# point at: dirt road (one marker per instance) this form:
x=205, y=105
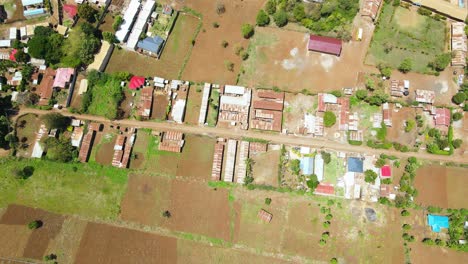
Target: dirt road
x=272, y=137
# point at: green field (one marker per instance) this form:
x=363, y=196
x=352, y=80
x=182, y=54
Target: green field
x=401, y=33
x=106, y=97
x=89, y=190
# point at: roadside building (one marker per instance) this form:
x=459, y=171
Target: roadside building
x=217, y=161
x=172, y=141
x=425, y=96
x=307, y=165
x=356, y=135
x=46, y=88
x=326, y=45
x=387, y=114
x=267, y=110
x=38, y=149
x=319, y=166
x=442, y=117
x=234, y=106
x=313, y=124
x=146, y=102
x=371, y=8
x=242, y=164
x=33, y=8
x=325, y=189
x=15, y=79
x=204, y=103
x=13, y=33
x=257, y=147
x=436, y=222
x=151, y=46
x=324, y=99
x=398, y=88
x=87, y=143
x=70, y=10
x=77, y=136
x=230, y=160
x=128, y=20
x=63, y=77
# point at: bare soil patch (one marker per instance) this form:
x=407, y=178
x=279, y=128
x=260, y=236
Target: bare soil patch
x=295, y=106
x=65, y=245
x=396, y=133
x=14, y=240
x=39, y=238
x=105, y=152
x=109, y=244
x=197, y=157
x=206, y=63
x=146, y=199
x=160, y=103
x=421, y=253
x=125, y=107
x=265, y=168
x=442, y=186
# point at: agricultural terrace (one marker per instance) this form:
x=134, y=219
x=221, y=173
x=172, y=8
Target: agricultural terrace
x=403, y=33
x=104, y=95
x=67, y=188
x=173, y=58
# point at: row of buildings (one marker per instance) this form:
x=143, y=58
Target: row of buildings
x=458, y=44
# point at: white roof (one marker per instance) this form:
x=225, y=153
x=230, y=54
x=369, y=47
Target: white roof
x=178, y=109
x=158, y=79
x=23, y=31
x=330, y=98
x=309, y=121
x=406, y=83
x=305, y=150
x=79, y=1
x=235, y=100
x=83, y=86
x=140, y=24
x=30, y=2
x=14, y=96
x=175, y=84
x=37, y=62
x=5, y=43
x=128, y=18
x=234, y=89
x=37, y=150
x=318, y=167
x=13, y=33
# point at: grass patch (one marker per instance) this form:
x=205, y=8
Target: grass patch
x=104, y=95
x=86, y=189
x=334, y=169
x=401, y=34
x=212, y=116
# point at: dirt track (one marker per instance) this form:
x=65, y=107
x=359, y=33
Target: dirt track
x=237, y=133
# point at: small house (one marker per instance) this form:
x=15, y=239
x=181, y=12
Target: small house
x=355, y=165
x=151, y=46
x=265, y=216
x=307, y=165
x=326, y=45
x=386, y=172
x=63, y=77
x=436, y=222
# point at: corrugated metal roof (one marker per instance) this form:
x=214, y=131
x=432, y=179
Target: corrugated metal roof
x=325, y=44
x=128, y=19
x=152, y=45
x=140, y=24
x=30, y=2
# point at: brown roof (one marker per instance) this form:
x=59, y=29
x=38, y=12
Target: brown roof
x=273, y=122
x=271, y=95
x=257, y=147
x=269, y=105
x=120, y=141
x=442, y=117
x=169, y=146
x=86, y=146
x=45, y=88
x=217, y=162
x=173, y=135
x=265, y=216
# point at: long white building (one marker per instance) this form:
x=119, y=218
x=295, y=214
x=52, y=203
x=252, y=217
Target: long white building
x=140, y=24
x=128, y=19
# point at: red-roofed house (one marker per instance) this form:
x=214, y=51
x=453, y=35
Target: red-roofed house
x=385, y=172
x=442, y=117
x=325, y=45
x=136, y=82
x=325, y=189
x=62, y=77
x=70, y=10
x=12, y=55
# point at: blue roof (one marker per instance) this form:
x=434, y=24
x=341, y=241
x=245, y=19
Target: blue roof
x=437, y=222
x=31, y=2
x=152, y=45
x=355, y=165
x=307, y=165
x=33, y=12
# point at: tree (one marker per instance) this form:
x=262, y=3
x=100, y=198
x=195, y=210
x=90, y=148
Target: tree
x=370, y=176
x=263, y=18
x=406, y=65
x=55, y=120
x=109, y=37
x=313, y=182
x=60, y=149
x=229, y=65
x=294, y=166
x=87, y=12
x=34, y=224
x=270, y=7
x=377, y=99
x=247, y=30
x=459, y=98
x=215, y=24
x=166, y=214
x=21, y=56
x=370, y=84
x=117, y=22
x=326, y=157
x=267, y=201
x=457, y=116
x=299, y=12
x=220, y=8
x=441, y=62
x=280, y=18
x=405, y=213
x=409, y=125
x=457, y=143
x=361, y=94
x=329, y=119
x=380, y=163
x=406, y=227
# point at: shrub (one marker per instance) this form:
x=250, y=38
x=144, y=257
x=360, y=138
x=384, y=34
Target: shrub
x=166, y=214
x=329, y=119
x=328, y=217
x=396, y=2
x=361, y=94
x=87, y=12
x=220, y=8
x=457, y=116
x=35, y=224
x=326, y=159
x=424, y=11
x=267, y=201
x=215, y=24
x=406, y=227
x=270, y=7
x=263, y=18
x=384, y=200
x=428, y=241
x=117, y=22
x=337, y=93
x=405, y=213
x=325, y=235
x=229, y=65
x=380, y=163
x=457, y=143
x=459, y=98
x=409, y=125
x=280, y=18
x=322, y=242
x=326, y=224
x=244, y=55
x=333, y=261
x=406, y=65
x=247, y=30
x=441, y=62
x=224, y=44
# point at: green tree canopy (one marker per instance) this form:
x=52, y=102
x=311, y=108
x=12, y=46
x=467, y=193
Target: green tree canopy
x=270, y=7
x=55, y=120
x=361, y=94
x=280, y=18
x=87, y=12
x=406, y=65
x=370, y=176
x=263, y=18
x=247, y=30
x=441, y=61
x=459, y=98
x=313, y=182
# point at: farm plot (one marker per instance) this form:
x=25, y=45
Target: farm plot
x=265, y=167
x=207, y=61
x=442, y=186
x=403, y=33
x=421, y=253
x=280, y=58
x=196, y=159
x=19, y=216
x=172, y=58
x=108, y=244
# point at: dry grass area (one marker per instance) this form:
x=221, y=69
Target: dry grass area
x=194, y=101
x=295, y=106
x=265, y=168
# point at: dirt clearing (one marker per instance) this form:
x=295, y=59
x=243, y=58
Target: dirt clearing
x=109, y=244
x=197, y=157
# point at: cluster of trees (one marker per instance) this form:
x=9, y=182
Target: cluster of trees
x=331, y=16
x=60, y=149
x=46, y=44
x=406, y=184
x=6, y=137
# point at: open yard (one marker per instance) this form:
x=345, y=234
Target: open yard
x=207, y=61
x=280, y=58
x=403, y=33
x=172, y=59
x=442, y=186
x=84, y=189
x=396, y=133
x=265, y=167
x=26, y=128
x=194, y=101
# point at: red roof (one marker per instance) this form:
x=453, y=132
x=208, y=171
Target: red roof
x=325, y=189
x=70, y=10
x=136, y=82
x=12, y=55
x=321, y=103
x=271, y=95
x=386, y=171
x=268, y=105
x=325, y=45
x=442, y=117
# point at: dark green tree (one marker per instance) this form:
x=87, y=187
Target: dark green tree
x=263, y=18
x=87, y=12
x=280, y=18
x=247, y=30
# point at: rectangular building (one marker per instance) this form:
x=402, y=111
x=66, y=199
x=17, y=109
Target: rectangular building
x=230, y=161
